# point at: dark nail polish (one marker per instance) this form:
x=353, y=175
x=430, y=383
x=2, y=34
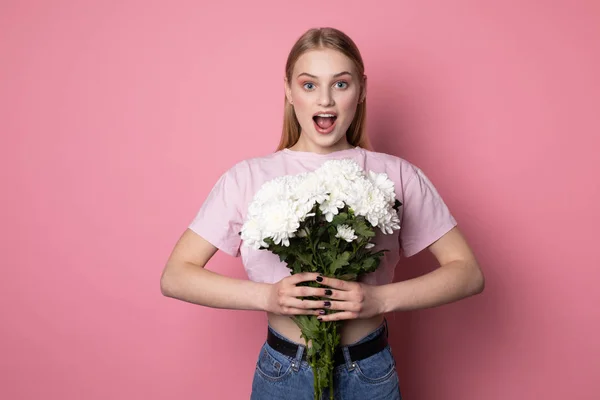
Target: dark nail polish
x=322, y=312
x=319, y=279
x=319, y=318
x=327, y=304
x=328, y=292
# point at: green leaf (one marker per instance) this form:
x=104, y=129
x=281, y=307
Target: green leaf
x=297, y=266
x=339, y=262
x=306, y=258
x=361, y=229
x=317, y=345
x=321, y=231
x=328, y=256
x=354, y=268
x=368, y=263
x=339, y=219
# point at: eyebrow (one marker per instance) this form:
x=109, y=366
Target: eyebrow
x=314, y=77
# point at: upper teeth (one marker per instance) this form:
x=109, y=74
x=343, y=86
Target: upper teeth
x=325, y=115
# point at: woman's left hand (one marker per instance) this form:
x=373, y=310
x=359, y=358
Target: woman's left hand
x=351, y=300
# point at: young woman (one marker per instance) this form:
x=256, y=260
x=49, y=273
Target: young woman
x=324, y=118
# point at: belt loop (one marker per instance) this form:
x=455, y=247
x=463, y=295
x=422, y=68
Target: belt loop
x=298, y=359
x=387, y=331
x=349, y=363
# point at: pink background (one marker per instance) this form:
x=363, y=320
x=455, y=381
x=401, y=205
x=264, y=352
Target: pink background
x=118, y=117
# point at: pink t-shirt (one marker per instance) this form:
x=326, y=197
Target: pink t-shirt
x=424, y=217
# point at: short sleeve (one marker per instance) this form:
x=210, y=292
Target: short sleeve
x=425, y=216
x=219, y=220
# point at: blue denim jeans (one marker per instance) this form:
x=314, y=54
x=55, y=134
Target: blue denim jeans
x=278, y=376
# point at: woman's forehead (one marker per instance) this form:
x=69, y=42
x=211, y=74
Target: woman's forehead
x=323, y=63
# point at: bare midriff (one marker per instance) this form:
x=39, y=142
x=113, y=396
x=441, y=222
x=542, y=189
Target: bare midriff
x=352, y=329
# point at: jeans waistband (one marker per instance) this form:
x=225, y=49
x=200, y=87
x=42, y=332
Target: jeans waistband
x=344, y=354
x=377, y=331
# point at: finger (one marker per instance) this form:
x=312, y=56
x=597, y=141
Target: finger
x=299, y=311
x=335, y=294
x=302, y=277
x=299, y=303
x=339, y=284
x=341, y=305
x=338, y=316
x=307, y=291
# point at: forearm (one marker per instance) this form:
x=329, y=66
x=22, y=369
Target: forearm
x=446, y=284
x=200, y=286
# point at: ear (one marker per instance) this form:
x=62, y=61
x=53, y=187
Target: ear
x=363, y=93
x=288, y=90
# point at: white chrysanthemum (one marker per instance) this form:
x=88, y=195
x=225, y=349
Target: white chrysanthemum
x=279, y=221
x=273, y=190
x=384, y=184
x=308, y=191
x=310, y=188
x=344, y=169
x=389, y=221
x=334, y=202
x=281, y=204
x=345, y=232
x=272, y=213
x=252, y=235
x=366, y=199
x=338, y=175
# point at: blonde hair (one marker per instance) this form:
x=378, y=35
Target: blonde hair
x=324, y=38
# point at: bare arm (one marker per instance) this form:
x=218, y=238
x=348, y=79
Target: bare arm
x=458, y=276
x=185, y=278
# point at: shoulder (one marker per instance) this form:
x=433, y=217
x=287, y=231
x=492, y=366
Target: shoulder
x=245, y=174
x=249, y=165
x=395, y=166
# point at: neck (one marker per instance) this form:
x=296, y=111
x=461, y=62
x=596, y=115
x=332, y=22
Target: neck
x=304, y=145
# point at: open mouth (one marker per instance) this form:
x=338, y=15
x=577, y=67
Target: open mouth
x=324, y=123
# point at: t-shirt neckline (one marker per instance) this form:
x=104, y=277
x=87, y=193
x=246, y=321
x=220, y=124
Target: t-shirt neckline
x=310, y=154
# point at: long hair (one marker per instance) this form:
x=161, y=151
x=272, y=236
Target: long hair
x=314, y=39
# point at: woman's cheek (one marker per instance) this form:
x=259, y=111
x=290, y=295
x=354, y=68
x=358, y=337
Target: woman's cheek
x=347, y=100
x=348, y=105
x=302, y=108
x=300, y=102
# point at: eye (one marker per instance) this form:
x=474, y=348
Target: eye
x=307, y=84
x=343, y=84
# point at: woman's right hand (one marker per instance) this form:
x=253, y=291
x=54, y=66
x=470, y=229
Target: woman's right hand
x=283, y=296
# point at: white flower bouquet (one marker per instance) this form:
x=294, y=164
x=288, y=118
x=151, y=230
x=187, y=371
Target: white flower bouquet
x=323, y=221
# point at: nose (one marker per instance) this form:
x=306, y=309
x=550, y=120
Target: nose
x=325, y=98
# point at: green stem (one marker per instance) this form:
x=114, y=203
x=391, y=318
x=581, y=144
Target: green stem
x=334, y=328
x=317, y=390
x=312, y=247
